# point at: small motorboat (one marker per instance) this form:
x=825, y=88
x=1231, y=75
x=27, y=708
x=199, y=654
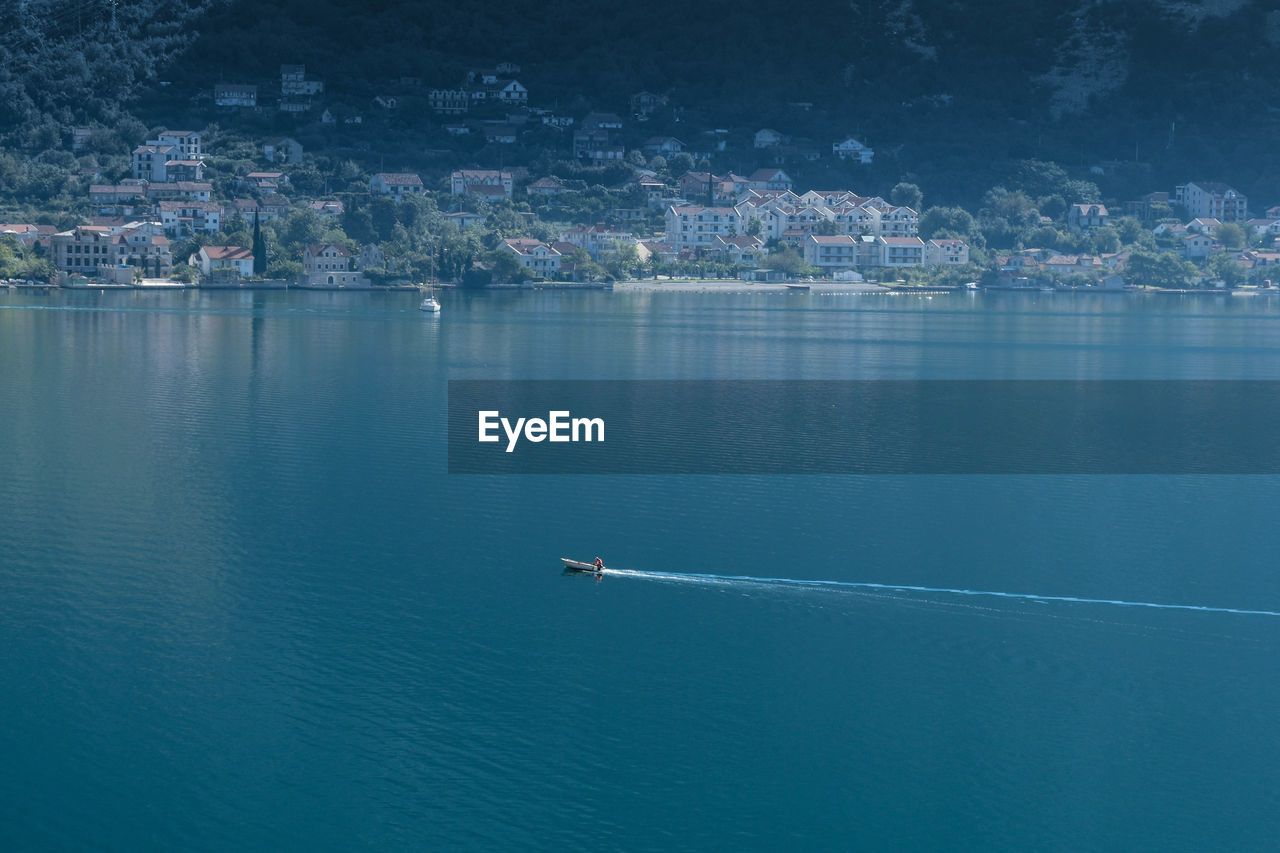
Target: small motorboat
x=430, y=304
x=579, y=566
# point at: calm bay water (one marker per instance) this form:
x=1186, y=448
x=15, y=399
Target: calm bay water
x=242, y=605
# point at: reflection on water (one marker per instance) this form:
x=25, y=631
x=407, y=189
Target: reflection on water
x=245, y=606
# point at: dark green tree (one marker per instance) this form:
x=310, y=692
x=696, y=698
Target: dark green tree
x=954, y=220
x=1231, y=235
x=1224, y=267
x=1157, y=269
x=259, y=248
x=906, y=195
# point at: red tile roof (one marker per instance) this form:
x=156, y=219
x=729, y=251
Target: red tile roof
x=230, y=253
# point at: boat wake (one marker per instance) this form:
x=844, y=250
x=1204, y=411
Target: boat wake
x=709, y=578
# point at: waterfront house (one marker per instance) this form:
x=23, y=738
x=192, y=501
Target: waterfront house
x=1066, y=264
x=899, y=251
x=328, y=265
x=695, y=227
x=373, y=258
x=97, y=251
x=945, y=252
x=223, y=262
x=831, y=252
x=535, y=256
x=664, y=251
x=739, y=249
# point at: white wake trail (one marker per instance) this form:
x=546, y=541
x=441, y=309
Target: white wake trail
x=707, y=577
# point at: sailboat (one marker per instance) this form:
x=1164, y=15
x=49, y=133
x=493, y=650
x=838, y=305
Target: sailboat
x=429, y=302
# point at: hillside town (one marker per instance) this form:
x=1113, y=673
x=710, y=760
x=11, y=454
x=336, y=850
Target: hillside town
x=613, y=204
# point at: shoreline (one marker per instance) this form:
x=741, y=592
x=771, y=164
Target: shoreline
x=727, y=286
x=737, y=286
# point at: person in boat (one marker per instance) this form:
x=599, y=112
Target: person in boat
x=599, y=564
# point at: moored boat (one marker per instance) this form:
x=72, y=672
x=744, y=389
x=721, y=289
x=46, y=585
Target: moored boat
x=430, y=304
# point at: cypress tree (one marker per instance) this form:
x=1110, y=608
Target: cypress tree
x=259, y=249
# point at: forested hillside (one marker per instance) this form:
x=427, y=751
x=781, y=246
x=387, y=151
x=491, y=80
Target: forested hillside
x=942, y=89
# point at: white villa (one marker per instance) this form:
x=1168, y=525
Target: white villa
x=396, y=184
x=488, y=183
x=852, y=149
x=535, y=256
x=223, y=261
x=945, y=253
x=329, y=266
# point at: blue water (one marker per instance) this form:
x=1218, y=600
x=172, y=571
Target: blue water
x=243, y=607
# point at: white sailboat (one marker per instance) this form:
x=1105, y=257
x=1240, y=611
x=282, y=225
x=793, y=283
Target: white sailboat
x=429, y=302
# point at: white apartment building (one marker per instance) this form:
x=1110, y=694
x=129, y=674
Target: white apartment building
x=693, y=227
